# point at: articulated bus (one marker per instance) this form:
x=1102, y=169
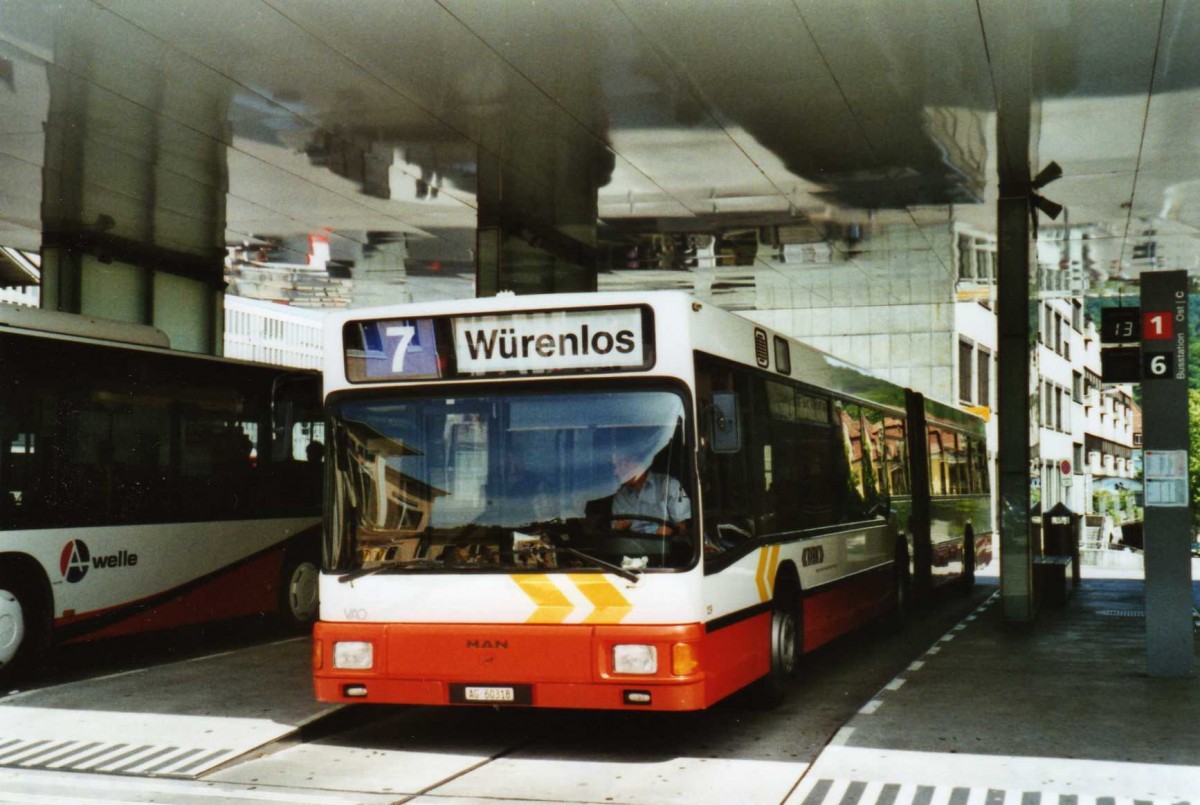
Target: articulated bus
x=142, y=488
x=620, y=501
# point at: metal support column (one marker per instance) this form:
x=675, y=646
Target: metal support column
x=1015, y=328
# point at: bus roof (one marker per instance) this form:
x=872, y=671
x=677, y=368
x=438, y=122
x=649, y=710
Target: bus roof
x=18, y=317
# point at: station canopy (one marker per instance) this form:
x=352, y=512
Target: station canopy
x=654, y=141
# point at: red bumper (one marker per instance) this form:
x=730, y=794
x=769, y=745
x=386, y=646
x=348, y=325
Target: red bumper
x=559, y=665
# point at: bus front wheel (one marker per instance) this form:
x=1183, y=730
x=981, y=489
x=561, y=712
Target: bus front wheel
x=786, y=630
x=298, y=591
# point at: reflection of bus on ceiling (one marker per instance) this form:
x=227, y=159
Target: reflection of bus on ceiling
x=142, y=488
x=618, y=501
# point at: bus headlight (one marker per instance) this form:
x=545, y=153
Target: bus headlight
x=355, y=655
x=635, y=659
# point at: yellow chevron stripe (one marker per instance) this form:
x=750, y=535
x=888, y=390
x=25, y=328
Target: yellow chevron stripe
x=759, y=576
x=609, y=605
x=773, y=567
x=552, y=605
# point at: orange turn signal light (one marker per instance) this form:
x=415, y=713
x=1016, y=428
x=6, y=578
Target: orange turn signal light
x=318, y=657
x=683, y=659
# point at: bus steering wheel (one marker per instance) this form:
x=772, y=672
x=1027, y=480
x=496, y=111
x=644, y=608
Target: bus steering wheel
x=616, y=518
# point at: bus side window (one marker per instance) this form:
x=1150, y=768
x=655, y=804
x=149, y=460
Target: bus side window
x=876, y=444
x=857, y=482
x=960, y=479
x=896, y=455
x=980, y=483
x=937, y=464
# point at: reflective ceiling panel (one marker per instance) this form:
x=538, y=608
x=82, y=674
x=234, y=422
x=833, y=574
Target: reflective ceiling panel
x=870, y=127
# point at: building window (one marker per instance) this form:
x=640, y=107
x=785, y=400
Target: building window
x=966, y=267
x=966, y=352
x=1077, y=387
x=983, y=394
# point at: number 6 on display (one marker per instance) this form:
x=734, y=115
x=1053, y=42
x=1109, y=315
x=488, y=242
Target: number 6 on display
x=1159, y=364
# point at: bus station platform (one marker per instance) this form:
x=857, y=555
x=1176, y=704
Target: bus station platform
x=1061, y=711
x=179, y=720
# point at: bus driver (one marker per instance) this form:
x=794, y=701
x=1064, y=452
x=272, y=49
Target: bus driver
x=643, y=493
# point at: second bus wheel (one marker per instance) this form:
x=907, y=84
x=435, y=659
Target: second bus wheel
x=24, y=623
x=298, y=601
x=902, y=592
x=968, y=571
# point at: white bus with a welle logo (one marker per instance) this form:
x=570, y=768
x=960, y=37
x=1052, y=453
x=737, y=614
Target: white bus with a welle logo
x=142, y=488
x=618, y=500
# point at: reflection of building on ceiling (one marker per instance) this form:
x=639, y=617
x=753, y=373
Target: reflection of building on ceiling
x=366, y=163
x=301, y=284
x=715, y=268
x=961, y=137
x=351, y=269
x=20, y=277
x=1066, y=260
x=1145, y=255
x=399, y=171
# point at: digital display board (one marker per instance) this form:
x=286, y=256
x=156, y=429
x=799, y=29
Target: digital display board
x=391, y=349
x=1120, y=325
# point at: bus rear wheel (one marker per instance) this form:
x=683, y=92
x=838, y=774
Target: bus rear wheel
x=298, y=601
x=23, y=627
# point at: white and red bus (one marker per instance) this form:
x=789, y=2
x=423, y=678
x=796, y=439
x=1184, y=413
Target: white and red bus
x=481, y=547
x=142, y=488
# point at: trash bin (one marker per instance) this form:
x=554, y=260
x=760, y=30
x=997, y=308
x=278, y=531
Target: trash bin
x=1060, y=536
x=1059, y=529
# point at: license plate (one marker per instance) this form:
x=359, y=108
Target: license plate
x=474, y=694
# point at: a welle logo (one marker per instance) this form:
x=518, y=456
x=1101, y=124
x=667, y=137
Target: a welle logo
x=76, y=559
x=555, y=341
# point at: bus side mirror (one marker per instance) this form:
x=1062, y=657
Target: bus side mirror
x=723, y=416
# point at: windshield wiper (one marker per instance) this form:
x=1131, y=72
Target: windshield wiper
x=623, y=572
x=359, y=573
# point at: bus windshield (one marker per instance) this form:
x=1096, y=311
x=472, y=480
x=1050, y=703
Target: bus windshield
x=509, y=482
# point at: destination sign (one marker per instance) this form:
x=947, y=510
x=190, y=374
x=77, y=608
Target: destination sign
x=542, y=342
x=552, y=341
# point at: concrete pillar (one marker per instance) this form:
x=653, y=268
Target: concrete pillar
x=133, y=213
x=539, y=175
x=537, y=234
